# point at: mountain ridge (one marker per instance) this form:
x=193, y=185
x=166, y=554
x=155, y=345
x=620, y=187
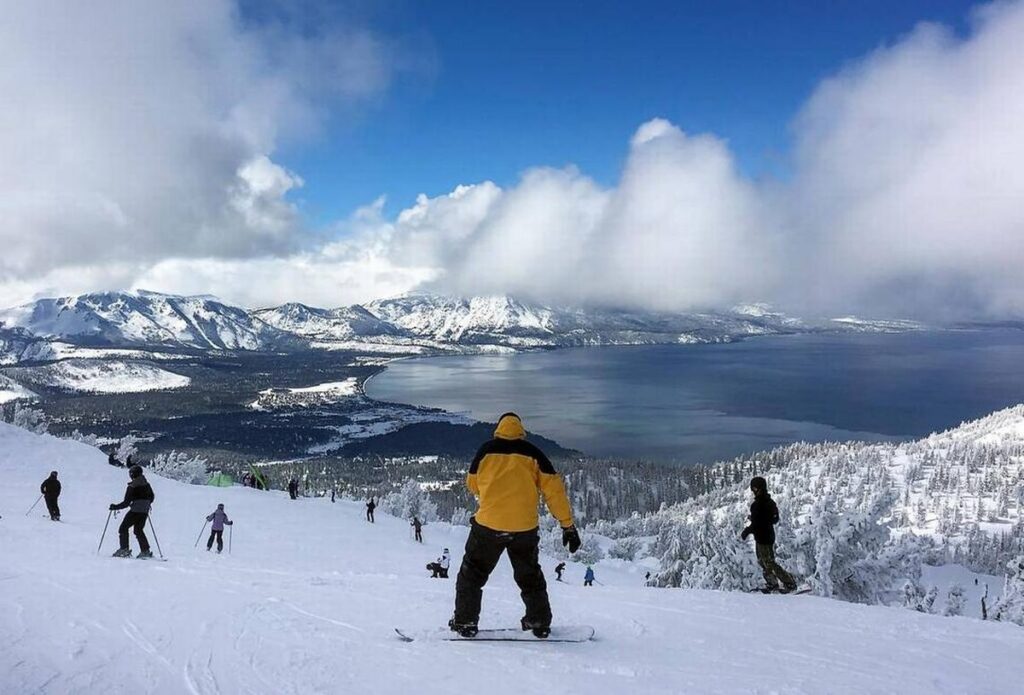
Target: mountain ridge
x=410, y=322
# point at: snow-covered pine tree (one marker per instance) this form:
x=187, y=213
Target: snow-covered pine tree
x=1010, y=606
x=409, y=501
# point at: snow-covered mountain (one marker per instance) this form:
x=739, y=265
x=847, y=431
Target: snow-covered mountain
x=147, y=319
x=407, y=324
x=345, y=323
x=506, y=321
x=279, y=616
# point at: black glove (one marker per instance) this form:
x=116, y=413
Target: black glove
x=571, y=538
x=112, y=506
x=746, y=532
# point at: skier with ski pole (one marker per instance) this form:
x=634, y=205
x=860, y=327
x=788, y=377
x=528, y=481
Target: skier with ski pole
x=51, y=491
x=219, y=518
x=138, y=499
x=508, y=475
x=764, y=514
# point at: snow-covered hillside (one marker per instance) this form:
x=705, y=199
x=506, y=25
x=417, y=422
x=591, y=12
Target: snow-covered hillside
x=101, y=376
x=307, y=600
x=146, y=318
x=11, y=391
x=857, y=520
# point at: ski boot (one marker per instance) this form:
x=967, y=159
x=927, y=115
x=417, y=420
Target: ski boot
x=144, y=554
x=122, y=552
x=539, y=630
x=463, y=629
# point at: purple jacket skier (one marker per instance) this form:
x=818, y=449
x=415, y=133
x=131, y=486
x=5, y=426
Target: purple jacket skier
x=219, y=519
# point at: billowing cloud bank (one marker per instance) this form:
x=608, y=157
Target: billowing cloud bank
x=906, y=197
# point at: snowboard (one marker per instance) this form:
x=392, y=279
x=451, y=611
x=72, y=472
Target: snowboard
x=796, y=592
x=563, y=633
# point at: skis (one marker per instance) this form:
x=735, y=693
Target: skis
x=154, y=558
x=564, y=633
x=795, y=592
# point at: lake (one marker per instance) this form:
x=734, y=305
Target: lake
x=700, y=403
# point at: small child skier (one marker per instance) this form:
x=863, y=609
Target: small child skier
x=219, y=519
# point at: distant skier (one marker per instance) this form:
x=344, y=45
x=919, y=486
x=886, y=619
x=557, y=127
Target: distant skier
x=112, y=460
x=332, y=495
x=139, y=497
x=219, y=519
x=764, y=514
x=417, y=526
x=559, y=568
x=51, y=491
x=370, y=506
x=588, y=576
x=293, y=488
x=439, y=567
x=509, y=475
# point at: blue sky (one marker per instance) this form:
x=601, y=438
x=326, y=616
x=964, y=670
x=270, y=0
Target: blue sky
x=505, y=86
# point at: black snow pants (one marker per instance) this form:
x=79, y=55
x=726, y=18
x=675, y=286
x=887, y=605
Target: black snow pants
x=137, y=522
x=219, y=535
x=51, y=506
x=483, y=550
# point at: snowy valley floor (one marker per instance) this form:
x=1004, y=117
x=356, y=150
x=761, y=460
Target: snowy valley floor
x=307, y=601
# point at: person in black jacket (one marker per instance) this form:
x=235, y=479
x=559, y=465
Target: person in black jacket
x=764, y=514
x=139, y=497
x=51, y=491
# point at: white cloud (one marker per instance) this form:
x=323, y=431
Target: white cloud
x=138, y=131
x=905, y=197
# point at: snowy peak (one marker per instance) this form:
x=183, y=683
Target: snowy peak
x=345, y=323
x=146, y=318
x=489, y=319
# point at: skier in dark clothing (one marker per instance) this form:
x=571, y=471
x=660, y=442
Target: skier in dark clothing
x=509, y=475
x=139, y=497
x=417, y=526
x=219, y=519
x=588, y=576
x=559, y=568
x=112, y=460
x=293, y=488
x=332, y=496
x=370, y=506
x=764, y=514
x=51, y=491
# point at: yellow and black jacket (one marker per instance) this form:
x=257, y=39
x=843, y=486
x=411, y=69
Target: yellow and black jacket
x=508, y=475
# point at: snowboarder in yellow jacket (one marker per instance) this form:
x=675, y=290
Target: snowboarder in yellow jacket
x=509, y=475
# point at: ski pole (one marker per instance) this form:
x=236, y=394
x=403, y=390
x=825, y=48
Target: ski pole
x=197, y=537
x=103, y=535
x=153, y=529
x=33, y=505
x=231, y=535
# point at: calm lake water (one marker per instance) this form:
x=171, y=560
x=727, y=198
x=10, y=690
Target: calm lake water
x=709, y=402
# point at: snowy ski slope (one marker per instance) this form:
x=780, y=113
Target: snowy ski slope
x=308, y=599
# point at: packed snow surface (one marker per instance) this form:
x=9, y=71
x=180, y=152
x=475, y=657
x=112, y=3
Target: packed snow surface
x=308, y=599
x=107, y=376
